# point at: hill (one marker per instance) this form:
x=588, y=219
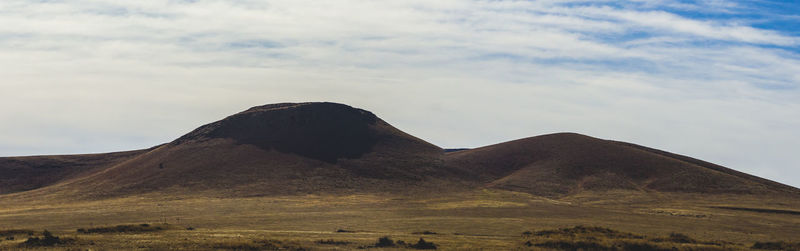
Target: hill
x=301, y=148
x=273, y=150
x=325, y=176
x=567, y=163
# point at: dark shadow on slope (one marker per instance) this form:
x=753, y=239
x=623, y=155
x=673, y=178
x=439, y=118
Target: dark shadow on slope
x=322, y=131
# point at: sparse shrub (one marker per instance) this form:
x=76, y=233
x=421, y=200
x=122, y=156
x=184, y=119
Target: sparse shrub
x=385, y=242
x=332, y=242
x=48, y=239
x=424, y=232
x=422, y=244
x=141, y=228
x=600, y=239
x=401, y=243
x=190, y=228
x=776, y=245
x=642, y=247
x=245, y=244
x=345, y=231
x=527, y=233
x=681, y=238
x=14, y=232
x=279, y=245
x=676, y=238
x=582, y=230
x=576, y=245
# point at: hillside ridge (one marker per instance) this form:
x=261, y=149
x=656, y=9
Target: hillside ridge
x=323, y=147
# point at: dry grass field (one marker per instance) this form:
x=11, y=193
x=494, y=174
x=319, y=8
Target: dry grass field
x=480, y=220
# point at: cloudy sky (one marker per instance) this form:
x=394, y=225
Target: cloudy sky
x=716, y=80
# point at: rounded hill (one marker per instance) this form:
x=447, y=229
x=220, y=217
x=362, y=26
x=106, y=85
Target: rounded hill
x=567, y=163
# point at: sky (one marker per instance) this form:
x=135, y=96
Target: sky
x=716, y=80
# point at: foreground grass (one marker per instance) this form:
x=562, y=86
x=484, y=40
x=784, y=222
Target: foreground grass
x=599, y=238
x=488, y=219
x=574, y=238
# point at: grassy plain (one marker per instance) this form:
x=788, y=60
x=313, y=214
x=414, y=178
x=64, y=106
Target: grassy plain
x=479, y=220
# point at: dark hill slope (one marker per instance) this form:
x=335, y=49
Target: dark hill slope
x=277, y=149
x=26, y=173
x=321, y=131
x=565, y=163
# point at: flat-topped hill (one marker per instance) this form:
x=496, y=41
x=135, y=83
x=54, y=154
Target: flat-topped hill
x=300, y=148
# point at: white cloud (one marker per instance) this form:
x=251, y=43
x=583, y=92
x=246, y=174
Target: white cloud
x=96, y=75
